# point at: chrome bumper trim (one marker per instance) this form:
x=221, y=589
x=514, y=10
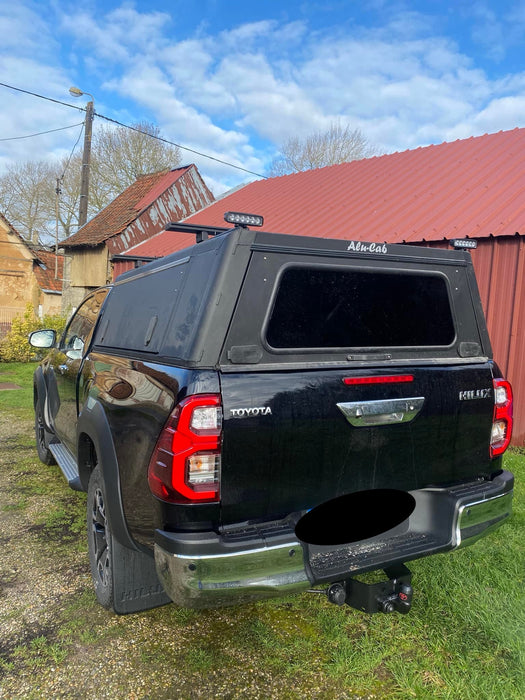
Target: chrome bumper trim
x=215, y=580
x=477, y=519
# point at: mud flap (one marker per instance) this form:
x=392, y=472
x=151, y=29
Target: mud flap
x=135, y=581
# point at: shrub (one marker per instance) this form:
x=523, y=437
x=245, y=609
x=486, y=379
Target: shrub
x=14, y=347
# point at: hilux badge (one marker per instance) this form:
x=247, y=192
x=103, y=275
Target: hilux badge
x=473, y=394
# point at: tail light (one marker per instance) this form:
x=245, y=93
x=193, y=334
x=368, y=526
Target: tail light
x=502, y=421
x=186, y=463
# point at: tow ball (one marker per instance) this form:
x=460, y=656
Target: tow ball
x=393, y=594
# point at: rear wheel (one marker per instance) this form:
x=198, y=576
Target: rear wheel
x=100, y=540
x=43, y=436
x=125, y=579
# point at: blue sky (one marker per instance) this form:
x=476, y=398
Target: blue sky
x=236, y=79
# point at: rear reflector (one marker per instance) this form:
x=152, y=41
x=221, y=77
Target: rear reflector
x=391, y=379
x=186, y=463
x=501, y=434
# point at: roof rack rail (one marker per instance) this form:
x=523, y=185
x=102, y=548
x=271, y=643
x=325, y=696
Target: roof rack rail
x=202, y=233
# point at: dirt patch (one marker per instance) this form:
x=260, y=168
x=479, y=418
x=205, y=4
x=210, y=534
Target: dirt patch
x=8, y=386
x=34, y=574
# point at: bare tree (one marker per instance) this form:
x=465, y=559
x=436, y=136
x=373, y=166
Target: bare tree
x=338, y=144
x=118, y=156
x=67, y=175
x=26, y=193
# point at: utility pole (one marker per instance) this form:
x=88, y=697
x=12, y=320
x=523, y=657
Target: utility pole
x=86, y=160
x=57, y=197
x=86, y=156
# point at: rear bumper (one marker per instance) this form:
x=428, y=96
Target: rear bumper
x=477, y=519
x=209, y=571
x=202, y=570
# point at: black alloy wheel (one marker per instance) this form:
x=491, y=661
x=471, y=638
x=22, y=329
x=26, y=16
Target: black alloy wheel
x=100, y=540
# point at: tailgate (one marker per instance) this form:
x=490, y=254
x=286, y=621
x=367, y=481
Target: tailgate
x=293, y=440
x=302, y=425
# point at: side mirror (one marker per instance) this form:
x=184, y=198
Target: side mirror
x=42, y=339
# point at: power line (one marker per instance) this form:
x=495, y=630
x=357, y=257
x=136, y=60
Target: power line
x=127, y=126
x=72, y=151
x=178, y=145
x=41, y=133
x=43, y=97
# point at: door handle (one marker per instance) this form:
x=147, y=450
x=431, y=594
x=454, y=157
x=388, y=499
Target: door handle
x=367, y=413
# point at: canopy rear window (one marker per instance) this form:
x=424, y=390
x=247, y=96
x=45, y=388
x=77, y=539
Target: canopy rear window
x=323, y=307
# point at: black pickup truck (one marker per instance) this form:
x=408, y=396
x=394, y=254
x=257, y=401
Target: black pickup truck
x=260, y=414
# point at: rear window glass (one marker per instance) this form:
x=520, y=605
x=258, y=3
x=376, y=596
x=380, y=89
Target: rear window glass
x=317, y=307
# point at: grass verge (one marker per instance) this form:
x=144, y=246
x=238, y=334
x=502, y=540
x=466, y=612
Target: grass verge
x=18, y=402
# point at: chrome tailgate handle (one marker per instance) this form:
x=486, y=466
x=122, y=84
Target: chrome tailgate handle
x=389, y=411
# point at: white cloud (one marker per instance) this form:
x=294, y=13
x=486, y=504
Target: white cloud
x=245, y=33
x=264, y=102
x=22, y=29
x=237, y=94
x=28, y=60
x=119, y=35
x=500, y=114
x=498, y=29
x=147, y=85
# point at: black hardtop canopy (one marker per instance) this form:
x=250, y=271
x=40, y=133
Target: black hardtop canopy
x=209, y=305
x=289, y=243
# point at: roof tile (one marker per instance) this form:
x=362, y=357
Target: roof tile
x=46, y=277
x=125, y=208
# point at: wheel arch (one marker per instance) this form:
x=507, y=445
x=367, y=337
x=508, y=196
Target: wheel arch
x=96, y=446
x=39, y=386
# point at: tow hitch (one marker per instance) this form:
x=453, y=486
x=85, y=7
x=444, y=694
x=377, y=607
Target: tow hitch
x=393, y=594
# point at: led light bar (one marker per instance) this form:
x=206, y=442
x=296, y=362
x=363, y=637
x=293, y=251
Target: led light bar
x=237, y=217
x=463, y=243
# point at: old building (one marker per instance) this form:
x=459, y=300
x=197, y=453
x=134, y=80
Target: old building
x=140, y=212
x=27, y=275
x=48, y=270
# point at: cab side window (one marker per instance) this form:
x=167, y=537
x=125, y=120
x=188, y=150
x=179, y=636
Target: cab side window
x=80, y=329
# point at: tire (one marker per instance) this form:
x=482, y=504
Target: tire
x=42, y=436
x=100, y=541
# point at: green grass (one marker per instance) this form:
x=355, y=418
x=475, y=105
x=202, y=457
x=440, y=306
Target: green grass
x=464, y=638
x=19, y=402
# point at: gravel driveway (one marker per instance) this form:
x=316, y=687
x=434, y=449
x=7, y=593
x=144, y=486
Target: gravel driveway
x=57, y=642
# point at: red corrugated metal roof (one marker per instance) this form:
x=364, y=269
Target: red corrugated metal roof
x=162, y=244
x=473, y=187
x=161, y=186
x=125, y=208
